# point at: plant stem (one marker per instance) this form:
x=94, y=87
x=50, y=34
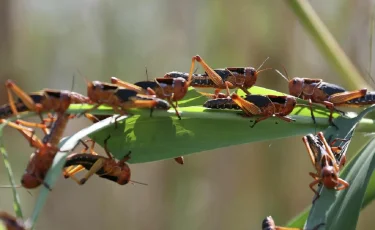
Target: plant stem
x=16, y=197
x=327, y=44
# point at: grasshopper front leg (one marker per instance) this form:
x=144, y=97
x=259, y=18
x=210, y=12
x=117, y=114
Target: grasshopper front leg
x=343, y=184
x=312, y=184
x=170, y=101
x=260, y=119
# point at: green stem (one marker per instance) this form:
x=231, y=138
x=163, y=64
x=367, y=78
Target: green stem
x=327, y=44
x=16, y=197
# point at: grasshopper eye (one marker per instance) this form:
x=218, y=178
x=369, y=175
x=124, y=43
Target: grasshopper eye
x=253, y=72
x=294, y=81
x=96, y=84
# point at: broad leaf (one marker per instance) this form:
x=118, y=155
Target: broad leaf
x=163, y=136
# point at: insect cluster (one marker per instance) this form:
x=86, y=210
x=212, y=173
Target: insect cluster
x=161, y=94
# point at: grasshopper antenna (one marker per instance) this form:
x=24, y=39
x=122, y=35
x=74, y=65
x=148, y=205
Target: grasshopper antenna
x=258, y=71
x=84, y=78
x=263, y=63
x=137, y=182
x=369, y=76
x=146, y=73
x=15, y=186
x=370, y=40
x=286, y=72
x=73, y=81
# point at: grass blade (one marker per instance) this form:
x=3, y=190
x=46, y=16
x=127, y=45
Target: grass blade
x=327, y=44
x=16, y=198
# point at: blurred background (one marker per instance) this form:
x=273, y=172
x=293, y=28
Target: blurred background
x=44, y=43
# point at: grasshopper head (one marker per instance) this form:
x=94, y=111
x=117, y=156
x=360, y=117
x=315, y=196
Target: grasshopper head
x=296, y=86
x=329, y=177
x=124, y=177
x=289, y=105
x=30, y=181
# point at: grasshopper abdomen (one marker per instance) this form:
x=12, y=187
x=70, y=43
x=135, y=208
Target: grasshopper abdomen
x=368, y=99
x=221, y=103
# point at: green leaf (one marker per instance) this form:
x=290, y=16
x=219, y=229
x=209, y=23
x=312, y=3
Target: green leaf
x=164, y=136
x=340, y=210
x=66, y=145
x=193, y=101
x=200, y=128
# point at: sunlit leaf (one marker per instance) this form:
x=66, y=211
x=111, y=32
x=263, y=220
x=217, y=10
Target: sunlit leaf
x=163, y=136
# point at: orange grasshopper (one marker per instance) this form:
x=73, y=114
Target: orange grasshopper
x=45, y=100
x=121, y=99
x=230, y=77
x=324, y=161
x=330, y=95
x=105, y=167
x=265, y=106
x=172, y=90
x=41, y=160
